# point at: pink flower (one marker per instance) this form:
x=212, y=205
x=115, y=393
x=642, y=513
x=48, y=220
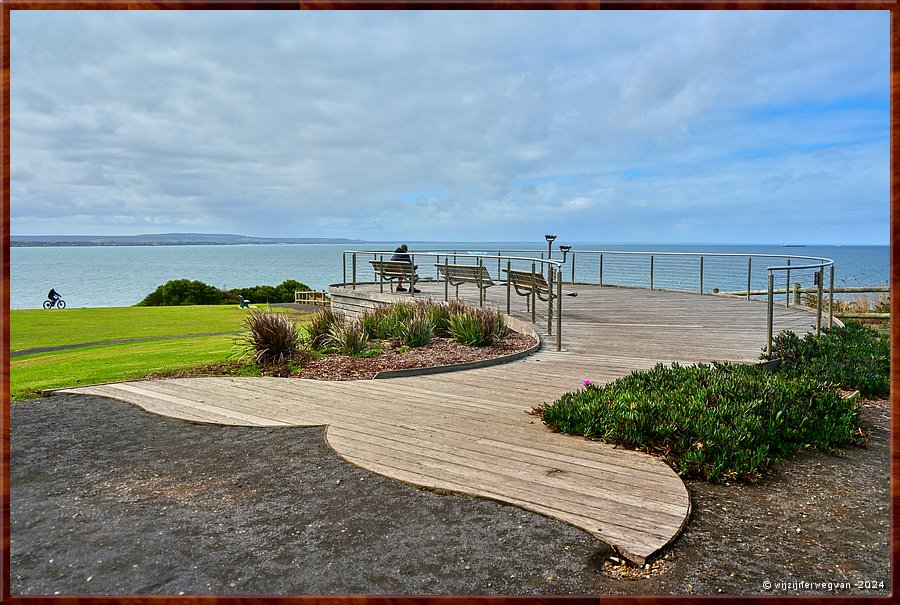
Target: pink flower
x=587, y=383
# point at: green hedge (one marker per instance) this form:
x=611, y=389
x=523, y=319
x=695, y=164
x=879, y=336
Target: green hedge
x=185, y=292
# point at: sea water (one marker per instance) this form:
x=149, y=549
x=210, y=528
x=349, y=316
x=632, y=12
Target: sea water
x=113, y=276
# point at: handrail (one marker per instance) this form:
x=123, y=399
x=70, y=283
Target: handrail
x=671, y=273
x=554, y=278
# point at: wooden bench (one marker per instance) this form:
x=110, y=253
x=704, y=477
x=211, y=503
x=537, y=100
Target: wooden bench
x=392, y=269
x=525, y=282
x=466, y=274
x=311, y=297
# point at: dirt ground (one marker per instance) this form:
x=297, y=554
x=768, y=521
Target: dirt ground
x=109, y=499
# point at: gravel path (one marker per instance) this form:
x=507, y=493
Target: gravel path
x=109, y=499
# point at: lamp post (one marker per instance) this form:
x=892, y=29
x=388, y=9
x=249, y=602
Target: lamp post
x=549, y=239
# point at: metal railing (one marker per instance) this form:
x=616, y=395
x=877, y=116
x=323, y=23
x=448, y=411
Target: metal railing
x=705, y=273
x=549, y=269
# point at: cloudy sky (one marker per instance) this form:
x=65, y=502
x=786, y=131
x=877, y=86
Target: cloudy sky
x=695, y=127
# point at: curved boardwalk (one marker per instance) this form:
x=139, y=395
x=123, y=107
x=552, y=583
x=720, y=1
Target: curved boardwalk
x=469, y=431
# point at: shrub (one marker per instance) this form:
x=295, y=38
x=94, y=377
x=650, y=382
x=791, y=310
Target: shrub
x=185, y=292
x=850, y=357
x=320, y=327
x=282, y=293
x=712, y=422
x=348, y=338
x=272, y=337
x=477, y=327
x=418, y=331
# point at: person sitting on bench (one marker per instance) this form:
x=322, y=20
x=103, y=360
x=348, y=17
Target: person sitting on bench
x=401, y=255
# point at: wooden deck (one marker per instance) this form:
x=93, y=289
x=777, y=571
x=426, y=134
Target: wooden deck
x=469, y=431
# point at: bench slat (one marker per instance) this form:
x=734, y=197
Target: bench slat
x=466, y=274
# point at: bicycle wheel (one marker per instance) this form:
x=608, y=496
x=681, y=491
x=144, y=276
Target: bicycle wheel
x=60, y=304
x=48, y=304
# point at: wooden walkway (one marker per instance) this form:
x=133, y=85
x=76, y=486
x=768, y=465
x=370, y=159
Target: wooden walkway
x=469, y=431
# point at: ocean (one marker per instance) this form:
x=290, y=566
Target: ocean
x=115, y=276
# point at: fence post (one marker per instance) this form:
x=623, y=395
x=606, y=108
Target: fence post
x=796, y=294
x=446, y=278
x=559, y=315
x=480, y=289
x=354, y=270
x=601, y=270
x=412, y=275
x=831, y=298
x=380, y=276
x=344, y=263
x=787, y=284
x=651, y=272
x=573, y=268
x=701, y=276
x=550, y=272
x=769, y=312
x=819, y=305
x=508, y=287
x=749, y=272
x=532, y=300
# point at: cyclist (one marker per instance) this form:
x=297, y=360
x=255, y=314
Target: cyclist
x=53, y=296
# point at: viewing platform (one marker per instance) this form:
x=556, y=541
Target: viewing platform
x=469, y=431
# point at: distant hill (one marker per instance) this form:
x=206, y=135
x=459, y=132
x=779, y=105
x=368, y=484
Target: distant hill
x=167, y=239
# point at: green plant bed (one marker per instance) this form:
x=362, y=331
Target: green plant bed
x=850, y=357
x=713, y=422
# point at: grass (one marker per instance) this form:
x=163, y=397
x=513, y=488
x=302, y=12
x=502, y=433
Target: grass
x=30, y=374
x=33, y=328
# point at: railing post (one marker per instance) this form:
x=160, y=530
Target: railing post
x=651, y=272
x=749, y=273
x=573, y=268
x=559, y=315
x=533, y=285
x=508, y=287
x=796, y=294
x=601, y=270
x=819, y=305
x=550, y=272
x=354, y=270
x=380, y=275
x=831, y=298
x=787, y=284
x=769, y=313
x=498, y=264
x=446, y=278
x=701, y=276
x=480, y=283
x=412, y=275
x=344, y=263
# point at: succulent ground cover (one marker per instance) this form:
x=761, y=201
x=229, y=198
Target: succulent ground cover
x=723, y=421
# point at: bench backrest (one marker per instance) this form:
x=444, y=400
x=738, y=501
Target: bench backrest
x=522, y=280
x=392, y=268
x=474, y=274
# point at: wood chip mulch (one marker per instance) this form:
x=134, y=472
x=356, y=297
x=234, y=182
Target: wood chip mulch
x=439, y=352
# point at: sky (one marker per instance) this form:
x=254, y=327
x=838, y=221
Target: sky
x=750, y=127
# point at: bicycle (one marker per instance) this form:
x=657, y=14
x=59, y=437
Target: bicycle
x=58, y=303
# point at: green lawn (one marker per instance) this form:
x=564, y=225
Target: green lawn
x=30, y=374
x=32, y=328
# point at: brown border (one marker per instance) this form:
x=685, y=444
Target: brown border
x=891, y=5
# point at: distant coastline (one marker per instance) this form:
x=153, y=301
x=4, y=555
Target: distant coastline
x=166, y=239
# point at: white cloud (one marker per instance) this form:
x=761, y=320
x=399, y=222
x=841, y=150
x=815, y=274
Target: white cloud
x=322, y=124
